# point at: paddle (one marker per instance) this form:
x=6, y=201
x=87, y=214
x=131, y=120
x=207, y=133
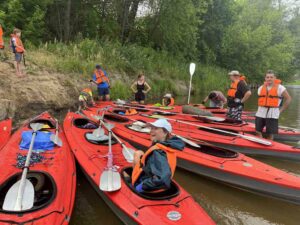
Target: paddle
x=128, y=153
x=110, y=179
x=21, y=195
x=99, y=132
x=212, y=118
x=249, y=138
x=192, y=70
x=54, y=138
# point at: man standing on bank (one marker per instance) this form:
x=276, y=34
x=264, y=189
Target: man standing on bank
x=100, y=78
x=270, y=96
x=237, y=95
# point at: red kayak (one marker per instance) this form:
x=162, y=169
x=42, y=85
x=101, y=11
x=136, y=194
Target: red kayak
x=52, y=174
x=284, y=133
x=216, y=163
x=5, y=131
x=174, y=206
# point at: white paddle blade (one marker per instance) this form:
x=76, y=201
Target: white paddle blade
x=56, y=140
x=10, y=201
x=99, y=132
x=110, y=180
x=128, y=154
x=36, y=126
x=192, y=68
x=98, y=117
x=189, y=142
x=109, y=126
x=257, y=140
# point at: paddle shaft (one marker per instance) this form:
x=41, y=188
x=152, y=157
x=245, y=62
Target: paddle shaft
x=181, y=114
x=20, y=194
x=249, y=138
x=190, y=87
x=56, y=131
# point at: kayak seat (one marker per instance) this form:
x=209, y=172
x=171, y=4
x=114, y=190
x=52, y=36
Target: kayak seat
x=164, y=113
x=44, y=190
x=172, y=192
x=116, y=118
x=100, y=140
x=83, y=123
x=215, y=151
x=48, y=124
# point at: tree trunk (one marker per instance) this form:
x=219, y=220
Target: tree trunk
x=67, y=21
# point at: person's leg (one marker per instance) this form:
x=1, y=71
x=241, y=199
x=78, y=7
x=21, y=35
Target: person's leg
x=259, y=125
x=107, y=96
x=271, y=128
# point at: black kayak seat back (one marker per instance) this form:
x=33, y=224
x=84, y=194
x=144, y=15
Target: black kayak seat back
x=170, y=193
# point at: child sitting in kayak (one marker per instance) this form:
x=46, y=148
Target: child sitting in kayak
x=153, y=170
x=168, y=100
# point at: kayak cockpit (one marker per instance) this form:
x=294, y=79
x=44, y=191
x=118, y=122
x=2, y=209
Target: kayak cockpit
x=215, y=151
x=172, y=192
x=83, y=123
x=44, y=190
x=49, y=124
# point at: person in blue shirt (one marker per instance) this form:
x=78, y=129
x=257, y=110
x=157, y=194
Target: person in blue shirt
x=101, y=79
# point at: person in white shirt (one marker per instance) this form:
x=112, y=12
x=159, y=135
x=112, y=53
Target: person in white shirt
x=270, y=97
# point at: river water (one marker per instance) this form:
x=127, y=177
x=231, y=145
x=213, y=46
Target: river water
x=226, y=205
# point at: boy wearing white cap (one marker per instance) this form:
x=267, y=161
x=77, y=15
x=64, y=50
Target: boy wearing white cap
x=237, y=95
x=153, y=170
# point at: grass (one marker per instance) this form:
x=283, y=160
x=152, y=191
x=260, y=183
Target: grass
x=296, y=82
x=164, y=72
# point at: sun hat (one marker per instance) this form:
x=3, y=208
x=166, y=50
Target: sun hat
x=162, y=123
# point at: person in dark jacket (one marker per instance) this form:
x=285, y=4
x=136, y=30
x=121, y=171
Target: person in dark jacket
x=153, y=170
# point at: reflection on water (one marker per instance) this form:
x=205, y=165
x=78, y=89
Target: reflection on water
x=226, y=205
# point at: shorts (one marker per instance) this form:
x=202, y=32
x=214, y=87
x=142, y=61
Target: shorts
x=235, y=112
x=139, y=96
x=270, y=124
x=103, y=91
x=18, y=57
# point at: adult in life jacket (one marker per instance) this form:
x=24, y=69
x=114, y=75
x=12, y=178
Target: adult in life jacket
x=100, y=78
x=153, y=170
x=18, y=49
x=216, y=99
x=140, y=88
x=237, y=95
x=168, y=100
x=270, y=96
x=86, y=98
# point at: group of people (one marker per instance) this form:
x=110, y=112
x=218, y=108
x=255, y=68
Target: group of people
x=16, y=46
x=273, y=99
x=153, y=170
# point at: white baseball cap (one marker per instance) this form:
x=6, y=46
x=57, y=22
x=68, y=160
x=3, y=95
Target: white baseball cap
x=162, y=123
x=234, y=72
x=168, y=95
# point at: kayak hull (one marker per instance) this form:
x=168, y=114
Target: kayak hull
x=128, y=205
x=5, y=131
x=53, y=178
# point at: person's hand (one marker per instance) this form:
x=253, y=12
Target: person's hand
x=139, y=188
x=145, y=92
x=90, y=80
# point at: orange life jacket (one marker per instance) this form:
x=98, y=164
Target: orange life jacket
x=277, y=81
x=100, y=77
x=171, y=156
x=165, y=103
x=269, y=98
x=129, y=112
x=233, y=87
x=18, y=46
x=1, y=38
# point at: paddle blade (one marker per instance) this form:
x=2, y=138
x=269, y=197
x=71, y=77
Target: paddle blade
x=36, y=126
x=192, y=68
x=189, y=142
x=128, y=154
x=257, y=140
x=110, y=180
x=56, y=140
x=99, y=132
x=10, y=201
x=109, y=126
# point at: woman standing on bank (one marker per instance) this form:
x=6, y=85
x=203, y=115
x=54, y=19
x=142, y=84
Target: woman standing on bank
x=140, y=88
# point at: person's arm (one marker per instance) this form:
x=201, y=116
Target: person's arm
x=246, y=96
x=105, y=73
x=93, y=80
x=18, y=46
x=160, y=168
x=287, y=100
x=132, y=87
x=148, y=88
x=205, y=100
